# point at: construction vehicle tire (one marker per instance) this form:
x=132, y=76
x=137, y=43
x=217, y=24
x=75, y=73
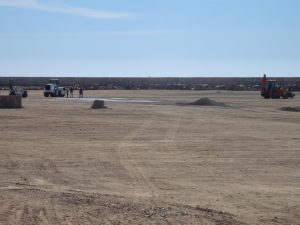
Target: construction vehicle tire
x=25, y=94
x=285, y=96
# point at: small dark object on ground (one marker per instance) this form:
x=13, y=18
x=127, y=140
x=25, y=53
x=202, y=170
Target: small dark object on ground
x=291, y=109
x=207, y=102
x=98, y=104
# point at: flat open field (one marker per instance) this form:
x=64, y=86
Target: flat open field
x=150, y=163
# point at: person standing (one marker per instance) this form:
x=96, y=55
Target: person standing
x=71, y=92
x=81, y=92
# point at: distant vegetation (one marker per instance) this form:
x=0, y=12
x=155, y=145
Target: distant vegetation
x=252, y=83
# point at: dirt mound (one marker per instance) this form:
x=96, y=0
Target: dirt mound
x=37, y=206
x=291, y=109
x=207, y=102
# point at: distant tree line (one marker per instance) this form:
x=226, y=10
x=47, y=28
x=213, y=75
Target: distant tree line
x=170, y=83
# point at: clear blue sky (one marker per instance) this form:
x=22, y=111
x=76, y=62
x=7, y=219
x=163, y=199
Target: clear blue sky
x=149, y=38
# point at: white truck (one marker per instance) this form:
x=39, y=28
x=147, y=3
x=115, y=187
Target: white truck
x=53, y=89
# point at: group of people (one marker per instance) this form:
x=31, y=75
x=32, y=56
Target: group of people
x=69, y=92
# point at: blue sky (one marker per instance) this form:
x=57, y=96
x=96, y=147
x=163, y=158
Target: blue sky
x=149, y=38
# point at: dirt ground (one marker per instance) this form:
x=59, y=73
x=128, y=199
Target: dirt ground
x=150, y=163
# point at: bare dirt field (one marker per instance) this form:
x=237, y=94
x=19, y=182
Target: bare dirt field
x=144, y=162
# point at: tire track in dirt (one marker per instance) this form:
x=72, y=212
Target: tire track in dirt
x=169, y=146
x=27, y=211
x=28, y=170
x=144, y=185
x=20, y=212
x=172, y=131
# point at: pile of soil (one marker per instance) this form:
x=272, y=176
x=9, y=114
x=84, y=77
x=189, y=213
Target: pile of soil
x=291, y=109
x=39, y=206
x=207, y=102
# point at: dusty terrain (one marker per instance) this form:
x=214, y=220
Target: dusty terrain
x=150, y=163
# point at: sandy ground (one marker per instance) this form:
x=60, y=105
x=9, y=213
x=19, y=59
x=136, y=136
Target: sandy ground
x=150, y=163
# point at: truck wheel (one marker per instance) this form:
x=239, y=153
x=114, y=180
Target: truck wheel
x=25, y=94
x=46, y=94
x=52, y=95
x=275, y=95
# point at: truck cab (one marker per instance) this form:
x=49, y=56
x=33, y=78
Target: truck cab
x=53, y=89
